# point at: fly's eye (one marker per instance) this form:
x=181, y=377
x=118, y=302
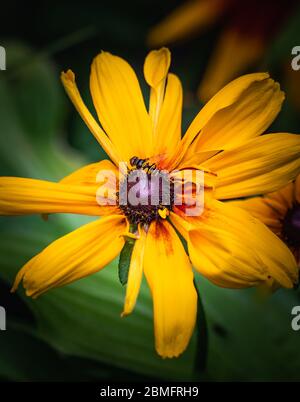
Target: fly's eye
x=134, y=160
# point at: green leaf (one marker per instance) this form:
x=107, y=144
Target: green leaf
x=24, y=357
x=124, y=261
x=250, y=335
x=202, y=332
x=30, y=146
x=83, y=319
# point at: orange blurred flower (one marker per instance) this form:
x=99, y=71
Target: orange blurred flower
x=249, y=27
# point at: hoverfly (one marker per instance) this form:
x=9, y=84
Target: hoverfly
x=143, y=164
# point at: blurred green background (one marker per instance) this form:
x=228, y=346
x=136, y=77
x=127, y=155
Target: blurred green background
x=76, y=333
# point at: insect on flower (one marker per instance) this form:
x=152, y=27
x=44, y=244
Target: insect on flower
x=225, y=243
x=143, y=164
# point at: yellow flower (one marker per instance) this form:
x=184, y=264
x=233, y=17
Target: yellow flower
x=248, y=28
x=280, y=211
x=225, y=243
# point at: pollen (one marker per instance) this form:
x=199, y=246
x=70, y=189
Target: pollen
x=163, y=213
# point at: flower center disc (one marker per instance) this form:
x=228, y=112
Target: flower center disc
x=291, y=226
x=142, y=195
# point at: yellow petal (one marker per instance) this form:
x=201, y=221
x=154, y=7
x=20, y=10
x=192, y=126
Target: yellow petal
x=156, y=69
x=197, y=158
x=233, y=55
x=20, y=196
x=135, y=274
x=227, y=100
x=247, y=117
x=120, y=106
x=181, y=223
x=282, y=200
x=68, y=80
x=271, y=208
x=104, y=175
x=87, y=175
x=233, y=249
x=262, y=210
x=170, y=278
x=260, y=166
x=274, y=254
x=156, y=66
x=186, y=19
x=169, y=122
x=74, y=256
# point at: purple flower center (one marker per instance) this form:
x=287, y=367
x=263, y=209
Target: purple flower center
x=291, y=226
x=142, y=194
